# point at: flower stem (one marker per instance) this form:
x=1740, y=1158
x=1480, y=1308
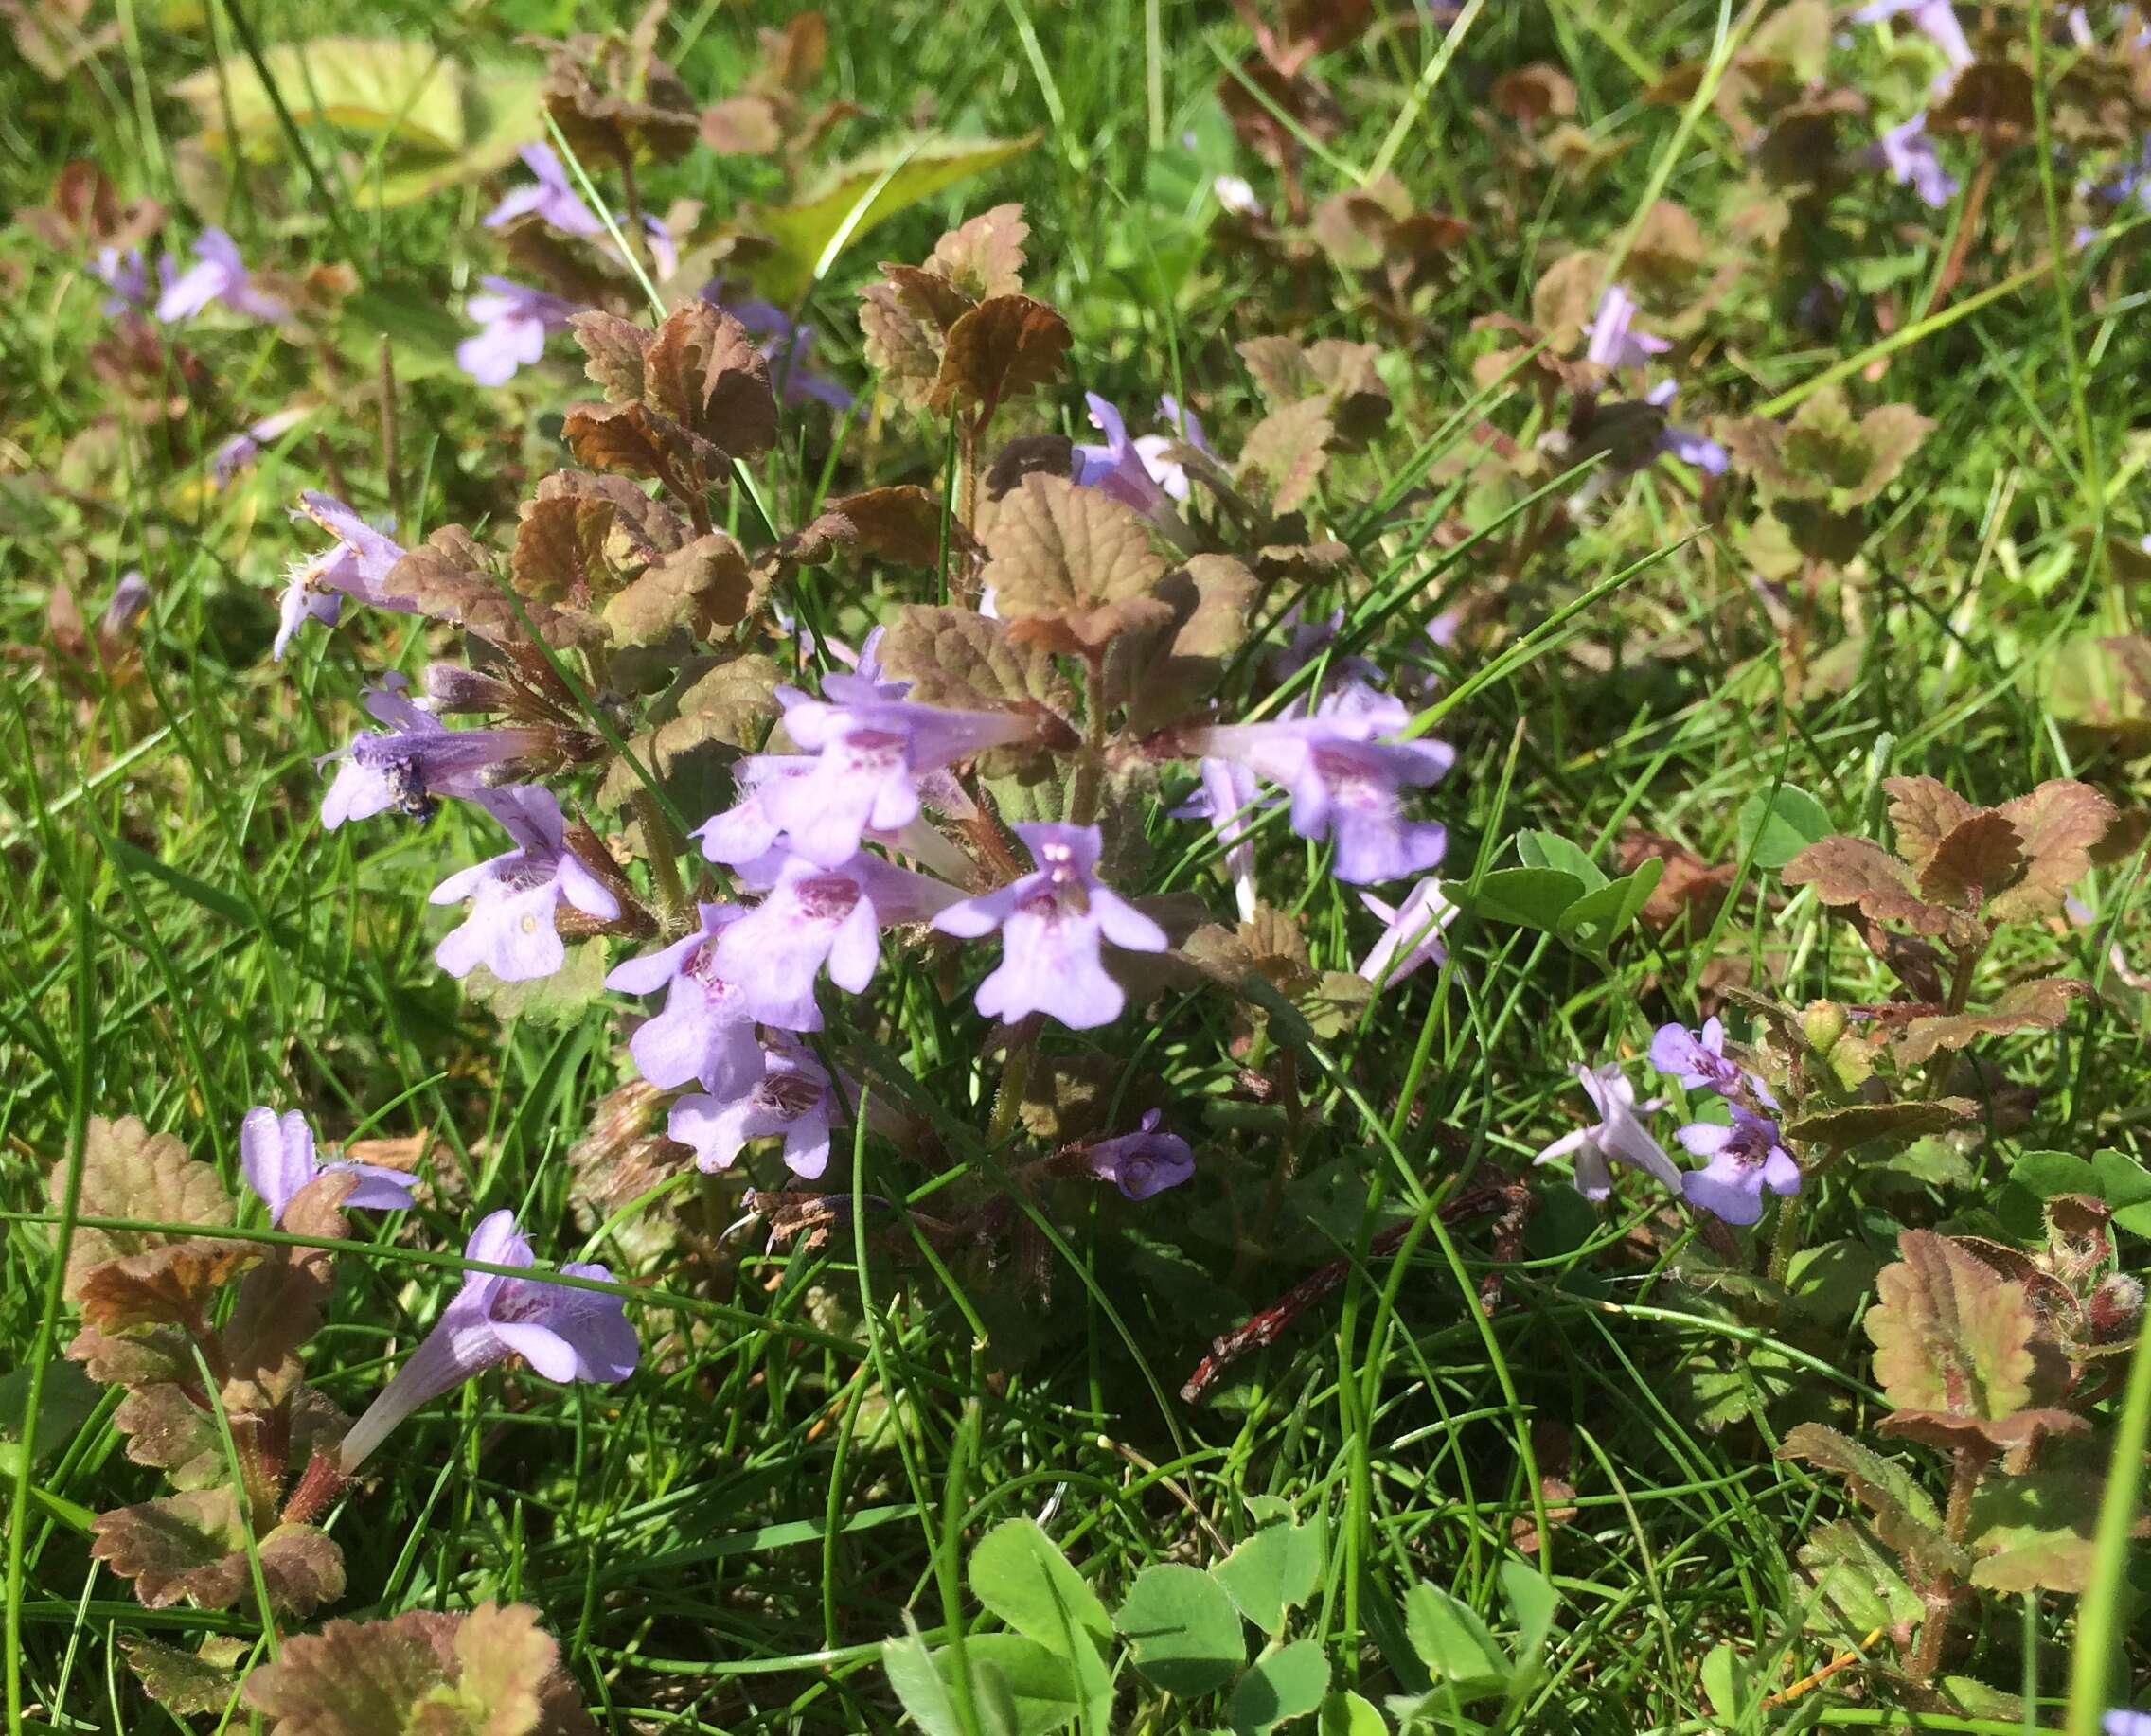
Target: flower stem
x=318, y=1485
x=664, y=849
x=1090, y=760
x=1786, y=1243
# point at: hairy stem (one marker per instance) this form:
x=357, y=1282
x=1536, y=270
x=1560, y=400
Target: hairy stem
x=663, y=847
x=1091, y=762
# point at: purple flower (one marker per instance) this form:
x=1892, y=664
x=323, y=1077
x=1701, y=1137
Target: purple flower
x=1143, y=1163
x=1695, y=1059
x=244, y=446
x=276, y=1155
x=564, y=1334
x=870, y=754
x=517, y=321
x=2121, y=1721
x=1684, y=443
x=1053, y=923
x=1137, y=474
x=513, y=895
x=125, y=276
x=1412, y=936
x=1308, y=641
x=357, y=564
x=793, y=1098
x=1613, y=341
x=705, y=1032
x=1936, y=19
x=417, y=758
x=131, y=599
x=1745, y=1158
x=218, y=274
x=1908, y=153
x=552, y=197
x=1344, y=782
x=814, y=916
x=1229, y=797
x=1618, y=1136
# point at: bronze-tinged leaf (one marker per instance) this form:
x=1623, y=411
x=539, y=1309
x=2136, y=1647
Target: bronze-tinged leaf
x=742, y=127
x=1566, y=297
x=927, y=296
x=2020, y=1432
x=620, y=438
x=643, y=526
x=2060, y=823
x=1280, y=369
x=1924, y=812
x=302, y=1567
x=1073, y=557
x=161, y=1353
x=1991, y=98
x=1210, y=598
x=1288, y=449
x=1855, y=1123
x=721, y=714
x=899, y=346
x=901, y=524
x=984, y=258
x=279, y=1303
x=511, y=1675
x=87, y=213
x=1976, y=859
x=614, y=353
x=559, y=550
x=1669, y=249
x=705, y=373
x=1903, y=1513
x=1357, y=399
x=1000, y=350
x=130, y=1172
x=702, y=587
x=167, y=1429
x=1855, y=872
x=161, y=1287
x=185, y=1683
x=616, y=101
x=1949, y=1333
x=2042, y=1004
x=177, y=1546
x=352, y=1678
x=1026, y=455
x=962, y=661
x=1892, y=433
x=1528, y=94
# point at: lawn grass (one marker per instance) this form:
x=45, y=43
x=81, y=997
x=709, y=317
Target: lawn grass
x=820, y=1432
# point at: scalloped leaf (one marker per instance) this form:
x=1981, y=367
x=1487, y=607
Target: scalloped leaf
x=2042, y=1004
x=1072, y=568
x=2060, y=823
x=1856, y=1124
x=1904, y=1515
x=1949, y=1333
x=1854, y=871
x=1001, y=349
x=127, y=1172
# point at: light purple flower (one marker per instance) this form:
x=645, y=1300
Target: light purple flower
x=869, y=756
x=1935, y=19
x=1344, y=781
x=1229, y=797
x=1745, y=1158
x=1613, y=342
x=276, y=1155
x=125, y=276
x=1685, y=443
x=816, y=916
x=357, y=564
x=1618, y=1136
x=705, y=1032
x=131, y=600
x=564, y=1334
x=513, y=895
x=1908, y=153
x=516, y=319
x=550, y=197
x=1412, y=936
x=1695, y=1059
x=1308, y=641
x=2121, y=1721
x=218, y=274
x=1053, y=923
x=793, y=1097
x=417, y=758
x=1143, y=1163
x=244, y=446
x=1137, y=474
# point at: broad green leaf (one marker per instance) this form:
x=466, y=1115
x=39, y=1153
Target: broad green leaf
x=1184, y=1630
x=1533, y=1601
x=920, y=1686
x=1858, y=1586
x=1594, y=921
x=1037, y=1688
x=2034, y=1532
x=1346, y=1714
x=1528, y=897
x=561, y=999
x=1020, y=1574
x=1950, y=1333
x=1273, y=1573
x=405, y=90
x=1728, y=1678
x=63, y=1407
x=876, y=188
x=2126, y=1185
x=1903, y=1513
x=1778, y=826
x=1551, y=850
x=1461, y=1655
x=504, y=111
x=1279, y=1685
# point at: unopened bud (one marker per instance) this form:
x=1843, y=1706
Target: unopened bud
x=2115, y=1307
x=1823, y=1023
x=450, y=686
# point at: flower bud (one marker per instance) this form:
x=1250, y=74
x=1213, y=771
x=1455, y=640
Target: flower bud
x=2114, y=1307
x=451, y=687
x=1823, y=1023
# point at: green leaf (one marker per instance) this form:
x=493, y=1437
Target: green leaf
x=1462, y=1657
x=2039, y=1175
x=1551, y=850
x=1185, y=1629
x=2034, y=1532
x=1950, y=1333
x=1527, y=897
x=1903, y=1513
x=920, y=1686
x=1020, y=1574
x=63, y=1407
x=1859, y=1588
x=1036, y=1688
x=1279, y=1685
x=877, y=188
x=561, y=999
x=1729, y=1679
x=1534, y=1603
x=1347, y=1714
x=385, y=86
x=1776, y=827
x=1596, y=920
x=1272, y=1573
x=504, y=111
